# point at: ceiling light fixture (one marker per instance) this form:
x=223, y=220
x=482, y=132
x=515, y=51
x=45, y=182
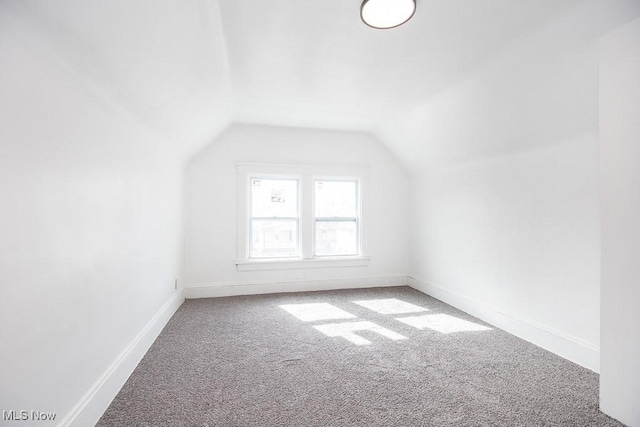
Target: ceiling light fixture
x=383, y=14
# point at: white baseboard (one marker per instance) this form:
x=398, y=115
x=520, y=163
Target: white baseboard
x=557, y=342
x=231, y=289
x=90, y=408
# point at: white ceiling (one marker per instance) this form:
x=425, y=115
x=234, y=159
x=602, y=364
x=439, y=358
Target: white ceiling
x=178, y=67
x=162, y=62
x=314, y=63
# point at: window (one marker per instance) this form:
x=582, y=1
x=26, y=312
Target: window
x=336, y=218
x=293, y=216
x=274, y=219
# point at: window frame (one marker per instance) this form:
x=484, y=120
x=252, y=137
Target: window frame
x=306, y=175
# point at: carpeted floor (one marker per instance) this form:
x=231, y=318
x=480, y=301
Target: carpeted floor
x=246, y=361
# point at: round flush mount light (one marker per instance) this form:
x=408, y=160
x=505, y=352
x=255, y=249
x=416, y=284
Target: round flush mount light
x=383, y=14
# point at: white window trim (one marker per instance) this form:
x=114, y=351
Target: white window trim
x=307, y=174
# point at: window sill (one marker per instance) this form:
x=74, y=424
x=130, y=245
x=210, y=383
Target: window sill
x=295, y=264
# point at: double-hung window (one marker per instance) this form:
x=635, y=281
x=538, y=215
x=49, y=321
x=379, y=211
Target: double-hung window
x=292, y=216
x=337, y=228
x=274, y=218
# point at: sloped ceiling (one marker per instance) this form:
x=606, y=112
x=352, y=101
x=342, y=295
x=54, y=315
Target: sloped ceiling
x=188, y=69
x=161, y=63
x=314, y=63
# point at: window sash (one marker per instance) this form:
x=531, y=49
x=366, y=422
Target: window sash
x=296, y=241
x=357, y=243
x=253, y=178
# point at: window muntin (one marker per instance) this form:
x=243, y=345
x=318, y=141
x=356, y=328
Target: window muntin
x=336, y=218
x=274, y=218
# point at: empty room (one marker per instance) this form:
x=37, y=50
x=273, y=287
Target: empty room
x=320, y=213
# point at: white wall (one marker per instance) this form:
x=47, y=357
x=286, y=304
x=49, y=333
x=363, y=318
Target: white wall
x=212, y=199
x=518, y=234
x=620, y=196
x=90, y=228
x=505, y=196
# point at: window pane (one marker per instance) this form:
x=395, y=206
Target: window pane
x=336, y=238
x=274, y=198
x=336, y=198
x=274, y=239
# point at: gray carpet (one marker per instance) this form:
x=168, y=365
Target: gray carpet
x=245, y=361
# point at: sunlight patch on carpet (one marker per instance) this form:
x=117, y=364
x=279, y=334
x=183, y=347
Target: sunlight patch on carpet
x=442, y=323
x=391, y=306
x=347, y=331
x=316, y=311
